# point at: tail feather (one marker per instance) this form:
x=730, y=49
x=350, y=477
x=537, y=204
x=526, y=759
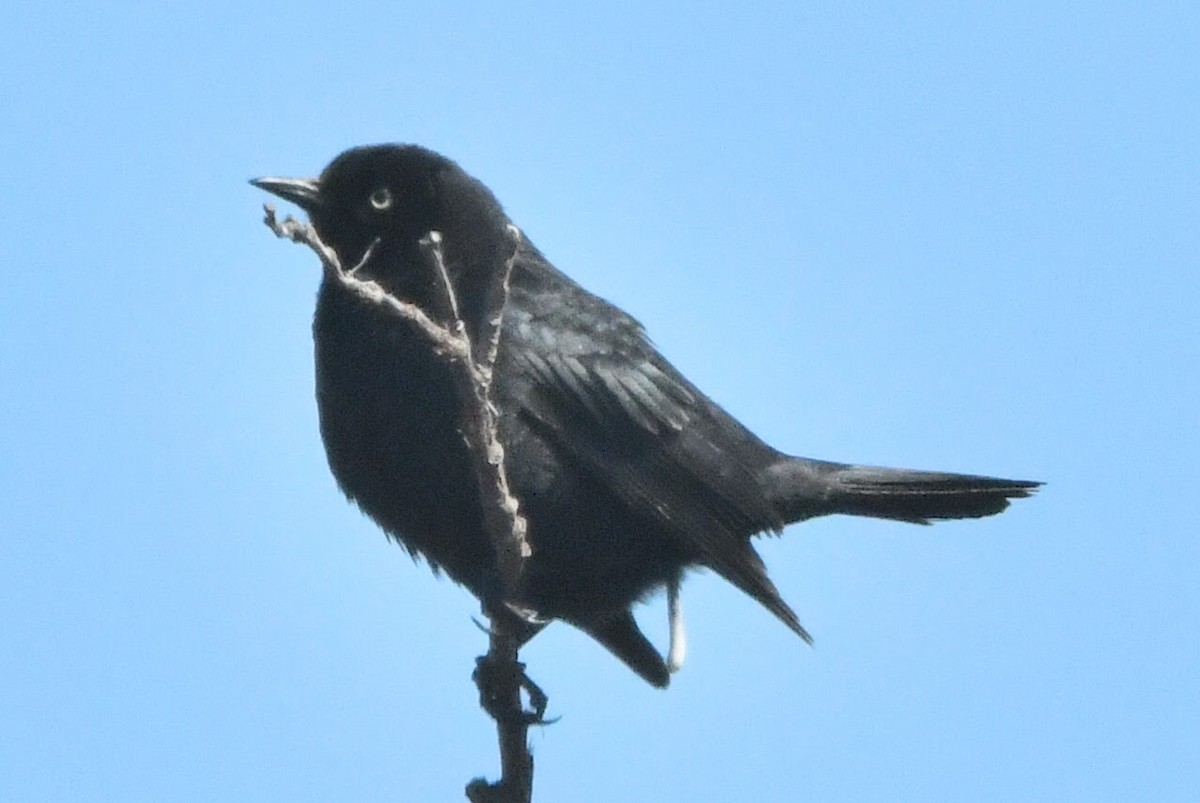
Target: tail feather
x=922, y=496
x=807, y=488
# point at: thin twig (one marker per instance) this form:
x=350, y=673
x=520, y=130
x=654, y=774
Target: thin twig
x=488, y=347
x=431, y=244
x=445, y=342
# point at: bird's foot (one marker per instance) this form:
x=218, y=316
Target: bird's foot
x=500, y=682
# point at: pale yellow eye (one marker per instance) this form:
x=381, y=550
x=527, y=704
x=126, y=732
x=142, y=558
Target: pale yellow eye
x=381, y=199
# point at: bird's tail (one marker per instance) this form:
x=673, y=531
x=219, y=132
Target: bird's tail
x=802, y=489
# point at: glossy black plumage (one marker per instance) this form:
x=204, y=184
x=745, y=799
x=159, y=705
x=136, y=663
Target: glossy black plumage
x=628, y=475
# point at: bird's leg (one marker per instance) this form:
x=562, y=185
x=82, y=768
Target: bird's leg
x=677, y=650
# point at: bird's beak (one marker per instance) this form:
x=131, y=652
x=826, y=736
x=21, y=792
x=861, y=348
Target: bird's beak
x=303, y=192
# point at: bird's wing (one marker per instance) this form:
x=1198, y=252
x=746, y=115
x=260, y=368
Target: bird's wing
x=599, y=391
x=614, y=386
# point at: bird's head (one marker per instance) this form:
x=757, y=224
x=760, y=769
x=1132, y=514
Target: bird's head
x=396, y=194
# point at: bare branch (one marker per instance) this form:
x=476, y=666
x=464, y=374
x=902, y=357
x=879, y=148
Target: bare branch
x=502, y=517
x=499, y=674
x=500, y=677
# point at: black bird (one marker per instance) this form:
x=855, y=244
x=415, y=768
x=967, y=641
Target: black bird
x=627, y=474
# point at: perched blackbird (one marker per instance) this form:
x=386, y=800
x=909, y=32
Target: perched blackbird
x=627, y=474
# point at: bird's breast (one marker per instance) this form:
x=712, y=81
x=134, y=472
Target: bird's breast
x=387, y=409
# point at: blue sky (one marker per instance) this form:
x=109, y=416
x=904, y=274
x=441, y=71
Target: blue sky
x=924, y=234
